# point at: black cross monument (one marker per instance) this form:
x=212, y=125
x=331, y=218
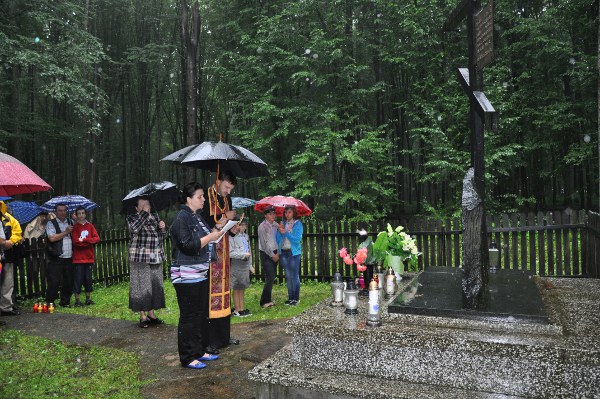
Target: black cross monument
x=480, y=27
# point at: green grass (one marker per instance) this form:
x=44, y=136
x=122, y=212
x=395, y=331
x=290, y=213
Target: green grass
x=112, y=302
x=33, y=367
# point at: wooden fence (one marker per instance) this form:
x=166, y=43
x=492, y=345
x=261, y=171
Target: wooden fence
x=552, y=243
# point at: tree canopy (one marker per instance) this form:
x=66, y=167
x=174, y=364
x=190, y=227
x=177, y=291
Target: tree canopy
x=354, y=104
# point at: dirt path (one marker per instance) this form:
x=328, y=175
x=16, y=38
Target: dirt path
x=157, y=348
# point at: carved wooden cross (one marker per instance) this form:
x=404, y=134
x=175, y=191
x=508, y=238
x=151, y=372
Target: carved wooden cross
x=480, y=27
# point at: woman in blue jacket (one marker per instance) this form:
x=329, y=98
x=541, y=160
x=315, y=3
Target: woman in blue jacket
x=289, y=240
x=192, y=245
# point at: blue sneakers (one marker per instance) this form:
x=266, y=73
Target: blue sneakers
x=196, y=366
x=208, y=356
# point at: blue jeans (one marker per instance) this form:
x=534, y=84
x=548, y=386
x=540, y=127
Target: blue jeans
x=291, y=265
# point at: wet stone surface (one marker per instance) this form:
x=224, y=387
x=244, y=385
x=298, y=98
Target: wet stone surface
x=512, y=296
x=446, y=357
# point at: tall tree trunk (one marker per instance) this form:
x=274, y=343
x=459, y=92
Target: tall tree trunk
x=190, y=32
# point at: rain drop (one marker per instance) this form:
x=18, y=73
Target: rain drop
x=93, y=330
x=308, y=79
x=74, y=13
x=78, y=360
x=587, y=138
x=118, y=120
x=315, y=56
x=379, y=15
x=208, y=32
x=171, y=75
x=91, y=160
x=505, y=84
x=572, y=61
x=259, y=50
x=307, y=51
x=98, y=125
x=36, y=40
x=99, y=69
x=439, y=118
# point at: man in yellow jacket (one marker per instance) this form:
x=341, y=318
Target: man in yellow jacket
x=14, y=236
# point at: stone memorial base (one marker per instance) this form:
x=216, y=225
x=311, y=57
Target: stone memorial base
x=512, y=296
x=334, y=355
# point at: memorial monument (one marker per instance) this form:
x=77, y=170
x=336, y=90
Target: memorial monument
x=451, y=332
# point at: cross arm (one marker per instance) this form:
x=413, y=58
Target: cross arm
x=482, y=104
x=457, y=15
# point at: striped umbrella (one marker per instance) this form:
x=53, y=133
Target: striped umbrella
x=71, y=201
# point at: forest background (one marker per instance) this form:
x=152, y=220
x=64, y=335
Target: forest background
x=354, y=104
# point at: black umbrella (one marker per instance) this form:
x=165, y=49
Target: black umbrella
x=220, y=156
x=161, y=196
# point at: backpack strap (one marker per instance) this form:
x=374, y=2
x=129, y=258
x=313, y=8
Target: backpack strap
x=56, y=226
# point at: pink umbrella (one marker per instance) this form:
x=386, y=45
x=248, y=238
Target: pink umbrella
x=16, y=178
x=279, y=202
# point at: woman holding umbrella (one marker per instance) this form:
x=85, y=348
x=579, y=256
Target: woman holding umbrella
x=146, y=256
x=146, y=252
x=192, y=250
x=289, y=239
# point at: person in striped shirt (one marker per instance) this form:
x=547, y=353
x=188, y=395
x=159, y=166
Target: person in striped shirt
x=192, y=249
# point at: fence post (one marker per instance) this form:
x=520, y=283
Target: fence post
x=443, y=232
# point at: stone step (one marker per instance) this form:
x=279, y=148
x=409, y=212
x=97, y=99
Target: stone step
x=281, y=377
x=519, y=359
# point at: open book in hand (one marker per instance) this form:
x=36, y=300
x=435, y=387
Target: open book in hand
x=226, y=228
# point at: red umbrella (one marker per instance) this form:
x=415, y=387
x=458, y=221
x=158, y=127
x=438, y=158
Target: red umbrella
x=16, y=178
x=279, y=202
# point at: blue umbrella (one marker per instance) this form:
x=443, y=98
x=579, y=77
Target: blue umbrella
x=241, y=202
x=71, y=201
x=5, y=198
x=24, y=211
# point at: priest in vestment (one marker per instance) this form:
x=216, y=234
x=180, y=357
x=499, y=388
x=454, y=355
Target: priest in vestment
x=217, y=211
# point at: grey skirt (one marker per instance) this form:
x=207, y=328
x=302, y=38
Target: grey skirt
x=146, y=290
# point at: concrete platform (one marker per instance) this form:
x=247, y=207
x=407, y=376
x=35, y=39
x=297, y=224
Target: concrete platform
x=334, y=355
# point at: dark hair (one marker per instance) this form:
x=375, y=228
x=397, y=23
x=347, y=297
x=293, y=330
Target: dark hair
x=61, y=204
x=80, y=208
x=293, y=208
x=227, y=175
x=189, y=190
x=141, y=197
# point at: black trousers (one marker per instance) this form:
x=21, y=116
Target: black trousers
x=269, y=267
x=82, y=275
x=59, y=274
x=193, y=320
